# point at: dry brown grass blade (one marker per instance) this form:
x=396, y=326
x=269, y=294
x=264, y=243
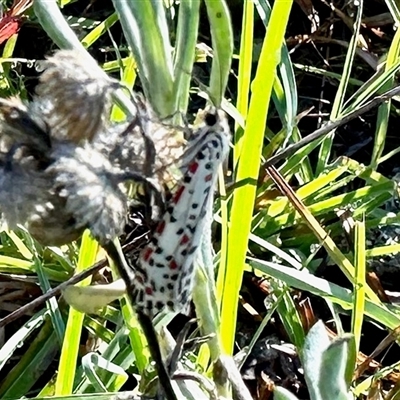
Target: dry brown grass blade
x=384, y=344
x=337, y=256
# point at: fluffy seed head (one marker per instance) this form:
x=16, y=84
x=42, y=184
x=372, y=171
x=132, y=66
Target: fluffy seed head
x=74, y=96
x=87, y=181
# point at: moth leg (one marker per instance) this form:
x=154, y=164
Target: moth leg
x=179, y=347
x=153, y=196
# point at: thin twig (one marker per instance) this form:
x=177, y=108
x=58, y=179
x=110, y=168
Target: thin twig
x=330, y=126
x=146, y=324
x=58, y=289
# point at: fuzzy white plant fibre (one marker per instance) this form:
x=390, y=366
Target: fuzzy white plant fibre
x=63, y=164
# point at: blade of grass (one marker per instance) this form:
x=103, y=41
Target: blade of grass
x=222, y=44
x=33, y=363
x=100, y=29
x=384, y=109
x=185, y=51
x=305, y=281
x=244, y=75
x=357, y=316
x=7, y=349
x=70, y=348
x=145, y=29
x=248, y=167
x=284, y=96
x=326, y=146
x=337, y=256
x=128, y=80
x=393, y=7
x=369, y=89
x=289, y=315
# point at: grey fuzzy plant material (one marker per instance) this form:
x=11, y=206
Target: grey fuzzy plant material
x=63, y=165
x=73, y=96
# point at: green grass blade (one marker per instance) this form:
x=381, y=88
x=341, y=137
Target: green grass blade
x=244, y=75
x=145, y=28
x=128, y=80
x=55, y=25
x=384, y=109
x=69, y=353
x=357, y=316
x=185, y=50
x=100, y=29
x=370, y=88
x=359, y=282
x=222, y=44
x=248, y=167
x=34, y=362
x=303, y=280
x=326, y=146
x=393, y=7
x=290, y=316
x=7, y=350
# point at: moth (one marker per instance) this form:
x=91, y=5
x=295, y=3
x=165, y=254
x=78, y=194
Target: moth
x=165, y=267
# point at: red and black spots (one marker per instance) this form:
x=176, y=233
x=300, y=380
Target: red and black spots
x=169, y=260
x=171, y=305
x=192, y=250
x=147, y=252
x=185, y=240
x=215, y=143
x=178, y=194
x=148, y=290
x=160, y=228
x=173, y=265
x=193, y=167
x=208, y=178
